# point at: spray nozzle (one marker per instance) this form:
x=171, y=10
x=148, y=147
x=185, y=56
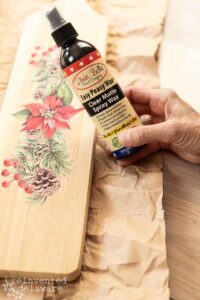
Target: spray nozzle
x=62, y=32
x=55, y=18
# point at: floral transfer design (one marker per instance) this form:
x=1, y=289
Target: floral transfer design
x=41, y=156
x=48, y=116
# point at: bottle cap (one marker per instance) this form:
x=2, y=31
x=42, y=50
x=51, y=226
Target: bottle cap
x=62, y=32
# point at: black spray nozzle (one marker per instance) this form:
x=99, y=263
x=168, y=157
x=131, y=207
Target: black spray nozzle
x=55, y=18
x=62, y=32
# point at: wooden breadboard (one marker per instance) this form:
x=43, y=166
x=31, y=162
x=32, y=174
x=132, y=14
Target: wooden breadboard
x=46, y=165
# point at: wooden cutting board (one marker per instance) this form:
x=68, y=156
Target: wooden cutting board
x=45, y=173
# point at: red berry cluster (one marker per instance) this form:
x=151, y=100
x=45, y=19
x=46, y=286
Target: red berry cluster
x=12, y=164
x=39, y=54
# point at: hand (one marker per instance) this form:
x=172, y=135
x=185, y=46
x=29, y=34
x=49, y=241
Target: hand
x=175, y=125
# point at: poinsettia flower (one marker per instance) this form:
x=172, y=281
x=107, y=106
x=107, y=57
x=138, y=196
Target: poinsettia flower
x=49, y=116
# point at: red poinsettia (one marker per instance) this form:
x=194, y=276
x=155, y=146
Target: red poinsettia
x=49, y=116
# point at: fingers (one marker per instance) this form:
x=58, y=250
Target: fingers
x=157, y=119
x=141, y=109
x=152, y=99
x=144, y=152
x=143, y=95
x=141, y=135
x=195, y=159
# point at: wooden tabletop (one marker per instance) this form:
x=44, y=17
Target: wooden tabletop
x=182, y=217
x=179, y=70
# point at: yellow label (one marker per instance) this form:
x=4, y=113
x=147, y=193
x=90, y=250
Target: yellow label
x=102, y=97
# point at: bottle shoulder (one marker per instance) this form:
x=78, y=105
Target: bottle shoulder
x=75, y=51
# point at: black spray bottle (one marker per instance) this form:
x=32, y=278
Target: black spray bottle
x=90, y=78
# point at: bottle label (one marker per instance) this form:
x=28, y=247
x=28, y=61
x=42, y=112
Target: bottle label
x=103, y=99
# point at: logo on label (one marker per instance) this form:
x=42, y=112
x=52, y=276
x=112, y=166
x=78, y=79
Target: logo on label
x=89, y=76
x=116, y=142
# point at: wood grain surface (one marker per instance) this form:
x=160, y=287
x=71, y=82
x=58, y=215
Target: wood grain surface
x=47, y=240
x=179, y=70
x=182, y=215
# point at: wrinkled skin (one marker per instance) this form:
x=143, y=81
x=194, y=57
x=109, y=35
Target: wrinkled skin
x=175, y=125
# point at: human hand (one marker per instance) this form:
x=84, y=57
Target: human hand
x=175, y=126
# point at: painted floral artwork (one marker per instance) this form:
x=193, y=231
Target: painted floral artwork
x=41, y=156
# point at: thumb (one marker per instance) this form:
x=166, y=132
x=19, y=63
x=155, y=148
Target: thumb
x=141, y=135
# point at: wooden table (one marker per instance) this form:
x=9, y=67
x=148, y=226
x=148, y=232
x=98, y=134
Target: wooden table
x=182, y=217
x=179, y=70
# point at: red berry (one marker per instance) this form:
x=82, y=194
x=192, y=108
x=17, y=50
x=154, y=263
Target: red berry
x=32, y=62
x=5, y=173
x=37, y=48
x=21, y=183
x=5, y=184
x=28, y=189
x=34, y=54
x=8, y=162
x=44, y=53
x=16, y=177
x=50, y=49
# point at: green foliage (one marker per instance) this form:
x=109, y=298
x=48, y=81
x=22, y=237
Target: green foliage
x=41, y=75
x=59, y=136
x=64, y=93
x=50, y=75
x=36, y=151
x=26, y=165
x=57, y=159
x=22, y=114
x=54, y=155
x=35, y=199
x=50, y=89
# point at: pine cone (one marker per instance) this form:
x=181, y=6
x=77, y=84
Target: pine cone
x=45, y=182
x=38, y=94
x=34, y=134
x=41, y=150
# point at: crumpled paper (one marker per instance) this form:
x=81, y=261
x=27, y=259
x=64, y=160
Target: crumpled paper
x=125, y=252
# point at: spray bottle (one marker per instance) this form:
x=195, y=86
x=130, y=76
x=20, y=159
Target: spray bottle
x=90, y=78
